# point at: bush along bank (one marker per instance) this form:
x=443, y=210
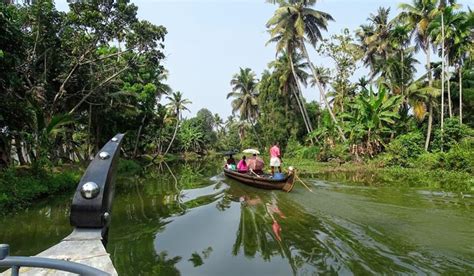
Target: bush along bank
x=20, y=187
x=405, y=162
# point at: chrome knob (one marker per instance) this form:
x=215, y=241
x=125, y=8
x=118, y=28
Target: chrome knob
x=104, y=155
x=89, y=190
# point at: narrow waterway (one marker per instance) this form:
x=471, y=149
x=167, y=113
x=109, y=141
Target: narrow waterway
x=189, y=219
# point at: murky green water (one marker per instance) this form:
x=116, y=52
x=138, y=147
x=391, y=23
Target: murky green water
x=197, y=222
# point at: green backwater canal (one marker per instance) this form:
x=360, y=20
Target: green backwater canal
x=188, y=219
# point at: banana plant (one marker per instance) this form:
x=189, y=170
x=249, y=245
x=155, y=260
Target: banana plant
x=370, y=119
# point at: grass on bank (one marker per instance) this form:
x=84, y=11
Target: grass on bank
x=20, y=187
x=369, y=174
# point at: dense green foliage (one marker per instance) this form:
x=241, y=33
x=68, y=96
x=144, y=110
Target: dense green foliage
x=21, y=187
x=71, y=80
x=391, y=116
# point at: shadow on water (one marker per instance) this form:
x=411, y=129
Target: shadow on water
x=188, y=219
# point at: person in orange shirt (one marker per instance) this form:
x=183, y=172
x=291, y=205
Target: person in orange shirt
x=275, y=158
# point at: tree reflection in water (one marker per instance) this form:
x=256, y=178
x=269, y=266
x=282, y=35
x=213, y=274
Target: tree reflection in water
x=165, y=219
x=259, y=230
x=189, y=219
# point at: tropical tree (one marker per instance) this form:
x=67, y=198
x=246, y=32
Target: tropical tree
x=191, y=138
x=283, y=67
x=244, y=91
x=218, y=122
x=342, y=49
x=54, y=63
x=418, y=16
x=461, y=49
x=295, y=22
x=400, y=40
x=423, y=99
x=288, y=51
x=450, y=31
x=375, y=39
x=370, y=117
x=177, y=104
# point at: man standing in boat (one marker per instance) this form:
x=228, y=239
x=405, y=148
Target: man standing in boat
x=275, y=158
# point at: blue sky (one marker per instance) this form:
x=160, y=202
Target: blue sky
x=208, y=40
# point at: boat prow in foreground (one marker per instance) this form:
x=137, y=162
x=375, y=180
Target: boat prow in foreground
x=262, y=182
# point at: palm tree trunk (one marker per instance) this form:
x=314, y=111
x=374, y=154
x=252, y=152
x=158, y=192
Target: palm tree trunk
x=169, y=146
x=172, y=138
x=321, y=91
x=449, y=88
x=297, y=96
x=402, y=77
x=138, y=136
x=430, y=108
x=430, y=122
x=460, y=94
x=256, y=135
x=443, y=60
x=428, y=65
x=450, y=108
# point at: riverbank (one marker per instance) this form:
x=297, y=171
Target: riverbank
x=20, y=187
x=426, y=176
x=371, y=175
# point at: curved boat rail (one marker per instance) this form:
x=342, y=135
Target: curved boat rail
x=15, y=262
x=90, y=211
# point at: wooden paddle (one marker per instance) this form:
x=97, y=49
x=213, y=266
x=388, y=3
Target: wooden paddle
x=288, y=187
x=254, y=173
x=306, y=186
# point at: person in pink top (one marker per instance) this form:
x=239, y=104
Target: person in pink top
x=275, y=158
x=242, y=167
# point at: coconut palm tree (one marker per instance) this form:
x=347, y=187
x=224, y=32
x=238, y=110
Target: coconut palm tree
x=177, y=104
x=446, y=30
x=400, y=40
x=399, y=70
x=295, y=22
x=362, y=83
x=289, y=85
x=287, y=46
x=218, y=122
x=244, y=91
x=423, y=100
x=375, y=40
x=461, y=48
x=418, y=17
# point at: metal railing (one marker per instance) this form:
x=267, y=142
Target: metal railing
x=92, y=202
x=91, y=208
x=15, y=263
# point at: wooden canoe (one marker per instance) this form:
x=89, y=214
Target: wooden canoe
x=263, y=182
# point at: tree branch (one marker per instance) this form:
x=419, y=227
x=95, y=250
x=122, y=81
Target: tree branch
x=100, y=85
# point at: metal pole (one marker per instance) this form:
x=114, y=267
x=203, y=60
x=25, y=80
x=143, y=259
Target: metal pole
x=4, y=251
x=15, y=270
